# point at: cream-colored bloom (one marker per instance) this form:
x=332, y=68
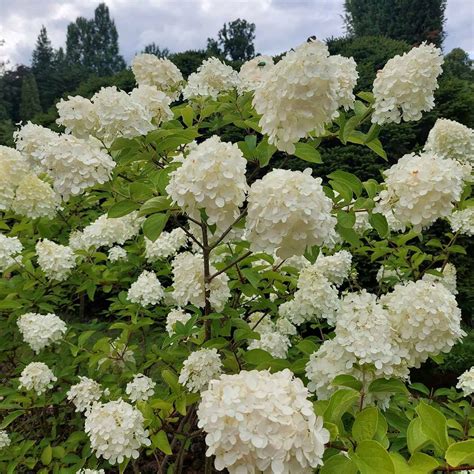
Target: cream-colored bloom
x=84, y=393
x=55, y=260
x=462, y=221
x=146, y=290
x=141, y=388
x=466, y=382
x=10, y=247
x=199, y=369
x=254, y=72
x=37, y=377
x=41, y=330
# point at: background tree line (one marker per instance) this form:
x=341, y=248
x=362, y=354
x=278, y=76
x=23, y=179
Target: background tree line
x=376, y=30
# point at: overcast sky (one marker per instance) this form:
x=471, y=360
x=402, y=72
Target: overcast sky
x=185, y=24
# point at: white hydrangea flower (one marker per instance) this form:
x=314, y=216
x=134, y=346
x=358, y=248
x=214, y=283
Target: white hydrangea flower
x=119, y=115
x=450, y=139
x=335, y=267
x=211, y=78
x=141, y=388
x=261, y=323
x=30, y=140
x=90, y=471
x=288, y=212
x=273, y=342
x=361, y=223
x=302, y=94
x=463, y=221
x=384, y=274
x=41, y=330
x=315, y=298
x=174, y=316
x=363, y=329
x=158, y=72
x=147, y=290
x=166, y=245
x=116, y=431
x=13, y=168
x=155, y=101
x=5, y=440
x=256, y=420
x=77, y=115
x=404, y=88
x=117, y=253
x=106, y=231
x=466, y=382
x=35, y=198
x=75, y=164
x=254, y=72
x=347, y=75
x=84, y=394
x=426, y=317
x=212, y=177
x=10, y=247
x=422, y=188
x=37, y=377
x=285, y=327
x=448, y=277
x=199, y=369
x=55, y=260
x=188, y=282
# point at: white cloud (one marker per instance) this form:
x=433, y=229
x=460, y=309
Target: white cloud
x=186, y=24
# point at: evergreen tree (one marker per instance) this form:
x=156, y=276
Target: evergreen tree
x=93, y=44
x=235, y=40
x=30, y=101
x=153, y=48
x=42, y=66
x=406, y=20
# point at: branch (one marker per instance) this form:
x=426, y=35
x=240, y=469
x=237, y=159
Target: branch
x=226, y=232
x=452, y=469
x=191, y=236
x=245, y=255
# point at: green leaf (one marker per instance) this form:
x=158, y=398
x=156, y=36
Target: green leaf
x=171, y=380
x=388, y=386
x=379, y=223
x=188, y=114
x=140, y=191
x=252, y=276
x=349, y=179
x=365, y=424
x=155, y=204
x=154, y=225
x=371, y=458
x=256, y=356
x=433, y=425
x=339, y=464
x=349, y=235
x=47, y=455
x=377, y=147
x=347, y=381
x=160, y=441
x=367, y=96
x=307, y=152
x=306, y=346
x=340, y=402
x=346, y=219
x=122, y=208
x=10, y=418
x=460, y=453
x=264, y=152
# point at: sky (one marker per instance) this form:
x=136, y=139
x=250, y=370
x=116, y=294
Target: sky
x=186, y=24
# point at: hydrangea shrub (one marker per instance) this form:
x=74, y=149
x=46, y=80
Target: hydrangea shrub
x=176, y=301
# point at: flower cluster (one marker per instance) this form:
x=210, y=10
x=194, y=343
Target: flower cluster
x=258, y=420
x=463, y=221
x=38, y=377
x=106, y=231
x=422, y=188
x=84, y=394
x=450, y=139
x=141, y=388
x=448, y=277
x=466, y=382
x=55, y=260
x=212, y=177
x=273, y=342
x=147, y=290
x=199, y=369
x=10, y=247
x=4, y=439
x=112, y=113
x=188, y=282
x=117, y=254
x=116, y=430
x=253, y=73
x=288, y=212
x=166, y=245
x=211, y=78
x=14, y=168
x=174, y=316
x=335, y=267
x=30, y=141
x=404, y=88
x=426, y=318
x=40, y=331
x=158, y=72
x=303, y=93
x=90, y=471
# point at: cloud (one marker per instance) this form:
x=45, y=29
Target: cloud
x=186, y=24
